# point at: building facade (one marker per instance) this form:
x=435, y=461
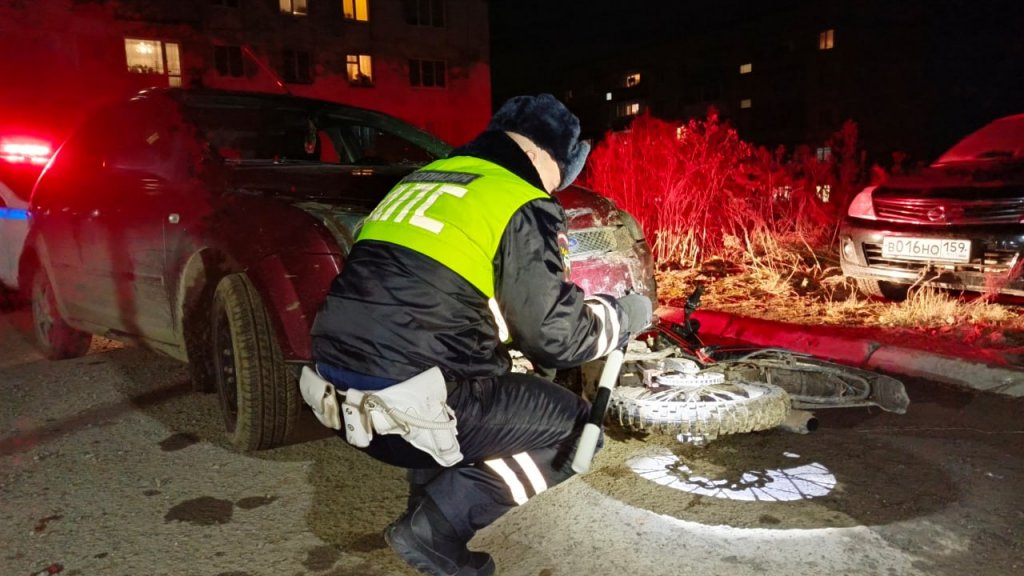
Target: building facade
x=424, y=61
x=914, y=75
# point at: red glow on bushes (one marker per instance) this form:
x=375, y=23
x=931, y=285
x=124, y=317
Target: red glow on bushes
x=699, y=191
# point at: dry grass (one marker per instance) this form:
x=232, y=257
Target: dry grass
x=794, y=284
x=758, y=228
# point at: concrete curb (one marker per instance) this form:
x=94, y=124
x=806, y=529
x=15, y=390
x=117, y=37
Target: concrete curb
x=832, y=344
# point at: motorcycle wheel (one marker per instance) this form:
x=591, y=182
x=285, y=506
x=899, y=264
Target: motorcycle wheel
x=701, y=414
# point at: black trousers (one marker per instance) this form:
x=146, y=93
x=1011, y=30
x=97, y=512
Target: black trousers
x=517, y=434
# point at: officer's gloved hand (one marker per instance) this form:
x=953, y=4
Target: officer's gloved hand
x=638, y=310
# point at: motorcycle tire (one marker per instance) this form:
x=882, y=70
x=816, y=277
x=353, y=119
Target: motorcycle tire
x=703, y=413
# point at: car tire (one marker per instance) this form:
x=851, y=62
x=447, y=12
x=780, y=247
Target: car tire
x=259, y=396
x=201, y=369
x=882, y=289
x=53, y=336
x=9, y=299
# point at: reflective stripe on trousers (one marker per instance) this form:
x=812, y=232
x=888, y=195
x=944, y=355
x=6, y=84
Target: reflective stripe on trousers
x=517, y=432
x=514, y=478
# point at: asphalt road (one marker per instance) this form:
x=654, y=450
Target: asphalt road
x=109, y=465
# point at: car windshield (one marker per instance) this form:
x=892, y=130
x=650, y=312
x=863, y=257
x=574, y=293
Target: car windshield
x=241, y=133
x=999, y=140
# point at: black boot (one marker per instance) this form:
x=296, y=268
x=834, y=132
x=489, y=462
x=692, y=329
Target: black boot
x=425, y=539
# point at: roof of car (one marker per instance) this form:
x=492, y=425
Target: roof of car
x=200, y=95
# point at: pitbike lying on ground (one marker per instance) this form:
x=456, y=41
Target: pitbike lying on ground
x=672, y=382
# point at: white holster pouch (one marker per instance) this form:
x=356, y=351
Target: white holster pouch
x=320, y=396
x=416, y=409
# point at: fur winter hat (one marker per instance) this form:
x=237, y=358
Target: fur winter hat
x=551, y=126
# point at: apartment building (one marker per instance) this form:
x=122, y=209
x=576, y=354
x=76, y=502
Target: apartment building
x=914, y=75
x=425, y=61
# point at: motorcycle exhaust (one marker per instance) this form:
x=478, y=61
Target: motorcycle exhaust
x=800, y=422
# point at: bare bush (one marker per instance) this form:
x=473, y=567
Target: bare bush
x=700, y=192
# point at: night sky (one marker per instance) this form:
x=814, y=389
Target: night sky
x=975, y=48
x=532, y=39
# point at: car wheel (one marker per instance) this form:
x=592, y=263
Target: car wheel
x=882, y=289
x=8, y=299
x=55, y=339
x=201, y=369
x=259, y=397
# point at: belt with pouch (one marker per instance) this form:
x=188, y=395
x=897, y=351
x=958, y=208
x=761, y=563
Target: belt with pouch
x=416, y=409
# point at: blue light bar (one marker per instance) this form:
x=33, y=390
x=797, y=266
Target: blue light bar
x=13, y=214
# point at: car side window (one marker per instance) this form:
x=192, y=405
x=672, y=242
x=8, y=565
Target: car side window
x=373, y=146
x=144, y=145
x=77, y=161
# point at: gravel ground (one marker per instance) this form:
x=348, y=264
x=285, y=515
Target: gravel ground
x=110, y=466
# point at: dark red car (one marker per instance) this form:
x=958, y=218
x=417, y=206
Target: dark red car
x=208, y=225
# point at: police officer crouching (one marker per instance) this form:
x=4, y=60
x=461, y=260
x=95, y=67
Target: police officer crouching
x=463, y=260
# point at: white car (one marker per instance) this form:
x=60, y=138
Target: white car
x=21, y=160
x=957, y=224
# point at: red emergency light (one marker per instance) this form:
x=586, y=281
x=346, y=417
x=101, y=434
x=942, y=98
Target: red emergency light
x=25, y=152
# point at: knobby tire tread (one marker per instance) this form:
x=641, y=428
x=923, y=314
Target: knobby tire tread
x=708, y=418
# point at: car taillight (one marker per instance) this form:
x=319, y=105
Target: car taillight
x=27, y=152
x=862, y=206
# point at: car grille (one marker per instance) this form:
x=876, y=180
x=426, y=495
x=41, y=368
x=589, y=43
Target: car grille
x=987, y=261
x=950, y=211
x=608, y=239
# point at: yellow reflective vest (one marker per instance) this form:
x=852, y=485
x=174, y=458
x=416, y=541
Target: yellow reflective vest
x=455, y=211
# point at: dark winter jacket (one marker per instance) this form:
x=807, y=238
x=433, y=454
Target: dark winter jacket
x=394, y=312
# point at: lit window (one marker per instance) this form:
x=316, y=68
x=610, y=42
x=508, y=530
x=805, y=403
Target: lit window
x=296, y=67
x=608, y=96
x=782, y=192
x=356, y=10
x=173, y=64
x=746, y=68
x=427, y=73
x=824, y=153
x=628, y=109
x=632, y=80
x=360, y=69
x=424, y=12
x=154, y=57
x=826, y=39
x=823, y=191
x=228, y=60
x=297, y=7
x=746, y=103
